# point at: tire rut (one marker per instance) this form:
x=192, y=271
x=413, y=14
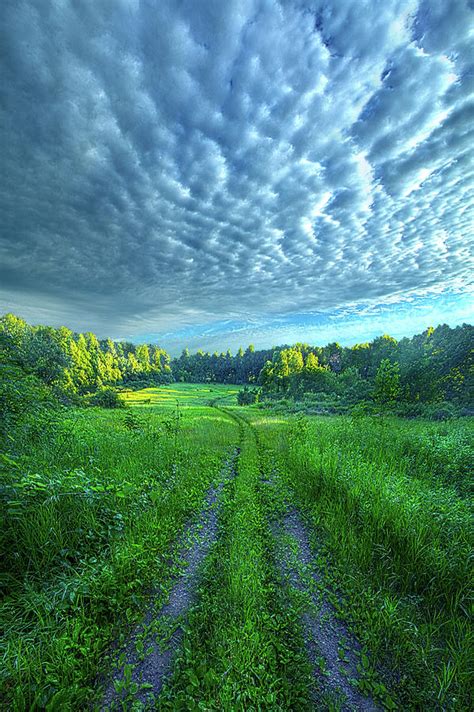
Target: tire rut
x=325, y=636
x=139, y=676
x=331, y=648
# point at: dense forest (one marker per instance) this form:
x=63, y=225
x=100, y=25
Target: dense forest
x=433, y=367
x=79, y=363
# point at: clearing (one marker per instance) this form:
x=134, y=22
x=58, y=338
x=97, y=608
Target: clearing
x=187, y=553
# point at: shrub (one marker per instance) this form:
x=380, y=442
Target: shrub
x=441, y=411
x=107, y=398
x=432, y=411
x=138, y=382
x=248, y=396
x=26, y=404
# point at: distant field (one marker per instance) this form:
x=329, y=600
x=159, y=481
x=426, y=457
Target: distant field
x=187, y=394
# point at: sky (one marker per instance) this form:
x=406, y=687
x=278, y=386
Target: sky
x=208, y=174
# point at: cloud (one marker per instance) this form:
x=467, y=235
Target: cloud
x=347, y=326
x=173, y=163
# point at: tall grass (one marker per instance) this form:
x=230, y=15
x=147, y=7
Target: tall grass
x=400, y=539
x=89, y=517
x=93, y=501
x=241, y=651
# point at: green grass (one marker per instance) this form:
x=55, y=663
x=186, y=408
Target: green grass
x=187, y=394
x=89, y=520
x=94, y=501
x=241, y=651
x=398, y=539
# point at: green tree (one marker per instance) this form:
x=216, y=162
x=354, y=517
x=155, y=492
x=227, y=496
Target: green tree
x=387, y=382
x=107, y=398
x=133, y=366
x=142, y=353
x=266, y=376
x=45, y=356
x=93, y=349
x=247, y=396
x=15, y=331
x=82, y=372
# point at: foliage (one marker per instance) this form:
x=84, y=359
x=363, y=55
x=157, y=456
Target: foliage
x=247, y=396
x=432, y=367
x=435, y=366
x=90, y=512
x=390, y=500
x=26, y=404
x=107, y=398
x=203, y=367
x=387, y=382
x=93, y=503
x=74, y=364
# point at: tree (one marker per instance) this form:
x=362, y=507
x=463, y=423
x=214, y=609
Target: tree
x=142, y=354
x=82, y=372
x=359, y=357
x=247, y=396
x=133, y=367
x=15, y=331
x=383, y=347
x=93, y=349
x=23, y=396
x=387, y=382
x=266, y=376
x=45, y=357
x=352, y=386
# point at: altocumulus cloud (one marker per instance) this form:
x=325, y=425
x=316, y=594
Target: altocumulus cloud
x=166, y=163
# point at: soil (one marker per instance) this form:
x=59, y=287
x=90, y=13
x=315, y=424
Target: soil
x=324, y=634
x=153, y=667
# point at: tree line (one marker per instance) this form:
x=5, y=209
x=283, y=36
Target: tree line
x=74, y=363
x=434, y=366
x=203, y=367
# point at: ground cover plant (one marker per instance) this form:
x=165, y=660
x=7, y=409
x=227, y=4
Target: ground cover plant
x=389, y=504
x=330, y=572
x=90, y=511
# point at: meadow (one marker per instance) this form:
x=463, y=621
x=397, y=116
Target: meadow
x=257, y=560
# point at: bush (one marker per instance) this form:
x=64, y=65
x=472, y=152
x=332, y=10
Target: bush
x=26, y=404
x=431, y=411
x=320, y=397
x=248, y=396
x=441, y=411
x=107, y=398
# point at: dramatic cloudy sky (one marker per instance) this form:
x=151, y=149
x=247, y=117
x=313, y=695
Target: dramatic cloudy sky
x=214, y=171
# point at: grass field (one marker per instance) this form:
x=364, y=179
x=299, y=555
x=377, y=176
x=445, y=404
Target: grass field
x=186, y=394
x=186, y=553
